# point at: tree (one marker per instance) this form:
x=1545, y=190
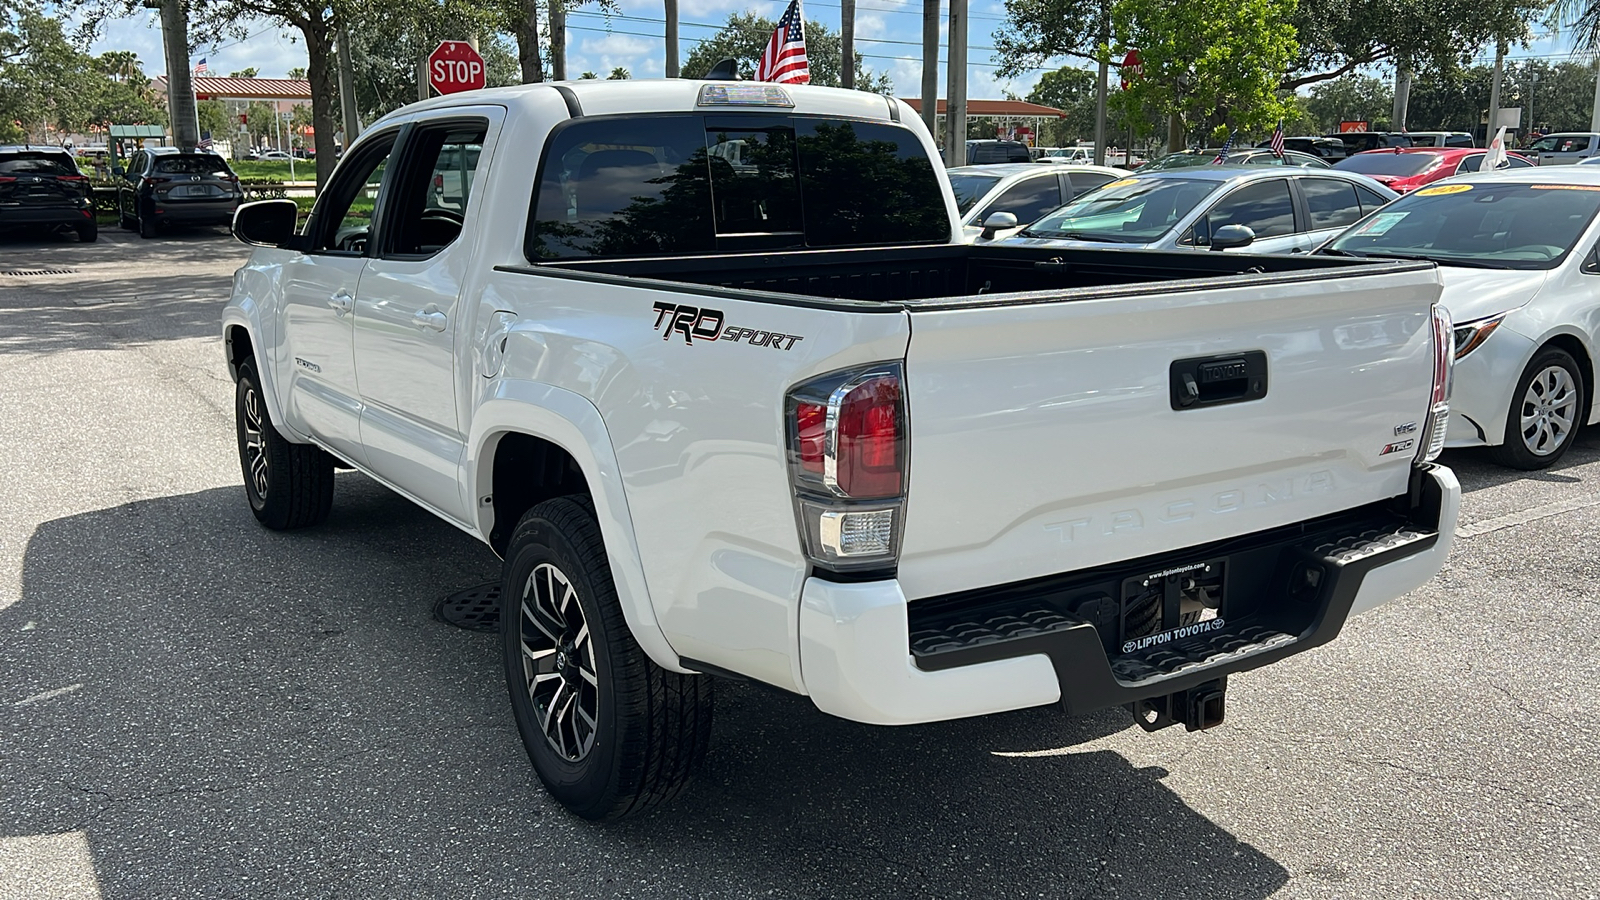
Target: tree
x=1211, y=65
x=1360, y=98
x=384, y=54
x=745, y=36
x=588, y=76
x=47, y=82
x=619, y=74
x=1071, y=90
x=214, y=117
x=298, y=73
x=251, y=72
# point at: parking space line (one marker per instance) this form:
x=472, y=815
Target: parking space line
x=1542, y=511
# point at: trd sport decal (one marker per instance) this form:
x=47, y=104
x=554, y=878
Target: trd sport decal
x=697, y=323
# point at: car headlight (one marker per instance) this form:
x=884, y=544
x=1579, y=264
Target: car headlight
x=1471, y=335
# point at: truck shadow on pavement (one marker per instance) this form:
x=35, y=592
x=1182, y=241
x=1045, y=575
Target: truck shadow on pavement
x=222, y=711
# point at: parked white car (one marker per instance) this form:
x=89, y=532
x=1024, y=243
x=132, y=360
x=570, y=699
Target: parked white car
x=1517, y=250
x=1024, y=191
x=1279, y=209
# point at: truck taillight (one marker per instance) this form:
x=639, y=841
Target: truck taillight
x=1432, y=442
x=847, y=455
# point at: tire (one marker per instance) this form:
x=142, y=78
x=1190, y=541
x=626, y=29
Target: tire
x=89, y=233
x=147, y=228
x=288, y=485
x=651, y=728
x=1547, y=409
x=123, y=222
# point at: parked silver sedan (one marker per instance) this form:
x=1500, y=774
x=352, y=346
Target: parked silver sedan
x=1517, y=253
x=1270, y=210
x=1026, y=191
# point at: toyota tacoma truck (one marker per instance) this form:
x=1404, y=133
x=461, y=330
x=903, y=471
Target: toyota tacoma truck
x=707, y=365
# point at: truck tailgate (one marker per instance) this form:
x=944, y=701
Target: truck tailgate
x=1044, y=438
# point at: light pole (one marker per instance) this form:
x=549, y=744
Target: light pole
x=1531, y=88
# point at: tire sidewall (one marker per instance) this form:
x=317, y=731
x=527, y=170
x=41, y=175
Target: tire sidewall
x=247, y=383
x=590, y=783
x=1513, y=451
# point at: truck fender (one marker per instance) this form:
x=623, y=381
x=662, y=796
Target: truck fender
x=573, y=423
x=245, y=312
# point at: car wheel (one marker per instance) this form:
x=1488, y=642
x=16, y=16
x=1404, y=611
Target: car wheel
x=147, y=227
x=122, y=218
x=288, y=485
x=1547, y=409
x=609, y=732
x=89, y=232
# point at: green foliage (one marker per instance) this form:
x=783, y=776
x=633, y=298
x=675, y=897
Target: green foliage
x=619, y=74
x=385, y=51
x=1352, y=98
x=251, y=72
x=745, y=37
x=1210, y=64
x=48, y=82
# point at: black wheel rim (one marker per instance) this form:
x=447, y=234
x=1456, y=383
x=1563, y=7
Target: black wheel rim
x=255, y=448
x=558, y=663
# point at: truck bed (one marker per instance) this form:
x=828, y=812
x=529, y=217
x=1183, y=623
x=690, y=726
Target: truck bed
x=954, y=275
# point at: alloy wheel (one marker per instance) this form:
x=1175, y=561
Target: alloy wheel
x=558, y=663
x=255, y=448
x=1549, y=409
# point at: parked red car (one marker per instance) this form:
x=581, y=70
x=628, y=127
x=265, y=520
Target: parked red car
x=1404, y=169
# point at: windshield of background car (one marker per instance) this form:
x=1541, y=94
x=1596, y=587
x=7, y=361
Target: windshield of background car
x=969, y=189
x=1398, y=165
x=36, y=164
x=1181, y=161
x=1130, y=211
x=191, y=165
x=1488, y=224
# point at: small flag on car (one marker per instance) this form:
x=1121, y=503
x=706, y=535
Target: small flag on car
x=1222, y=155
x=205, y=141
x=1496, y=157
x=784, y=60
x=1277, y=141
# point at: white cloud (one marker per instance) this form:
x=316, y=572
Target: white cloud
x=870, y=27
x=614, y=46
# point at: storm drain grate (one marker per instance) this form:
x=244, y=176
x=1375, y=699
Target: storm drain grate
x=475, y=609
x=25, y=273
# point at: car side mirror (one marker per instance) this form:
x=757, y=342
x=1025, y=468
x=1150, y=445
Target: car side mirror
x=265, y=223
x=1591, y=263
x=996, y=223
x=117, y=171
x=1230, y=237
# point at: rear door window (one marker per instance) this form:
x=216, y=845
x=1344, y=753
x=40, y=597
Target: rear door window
x=1332, y=203
x=1088, y=181
x=1027, y=199
x=1371, y=200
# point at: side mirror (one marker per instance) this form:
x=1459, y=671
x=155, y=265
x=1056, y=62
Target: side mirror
x=996, y=223
x=117, y=171
x=1230, y=237
x=265, y=223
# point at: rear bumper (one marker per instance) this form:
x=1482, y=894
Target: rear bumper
x=23, y=216
x=866, y=656
x=193, y=213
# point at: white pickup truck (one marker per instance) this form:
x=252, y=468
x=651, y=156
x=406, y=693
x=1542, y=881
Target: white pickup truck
x=770, y=420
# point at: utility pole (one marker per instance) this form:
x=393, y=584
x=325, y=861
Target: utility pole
x=347, y=87
x=1494, y=93
x=847, y=44
x=1402, y=95
x=558, y=40
x=180, y=89
x=672, y=39
x=1532, y=87
x=930, y=67
x=1100, y=88
x=423, y=88
x=955, y=104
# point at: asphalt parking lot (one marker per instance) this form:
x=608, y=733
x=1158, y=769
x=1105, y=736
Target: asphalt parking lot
x=197, y=707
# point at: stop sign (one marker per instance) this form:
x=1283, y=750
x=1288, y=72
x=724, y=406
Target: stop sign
x=1132, y=67
x=455, y=66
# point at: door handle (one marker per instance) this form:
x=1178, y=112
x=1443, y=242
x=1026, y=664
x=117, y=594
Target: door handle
x=341, y=303
x=430, y=318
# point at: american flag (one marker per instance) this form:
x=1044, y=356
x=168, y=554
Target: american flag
x=784, y=60
x=200, y=67
x=205, y=141
x=1222, y=155
x=1277, y=141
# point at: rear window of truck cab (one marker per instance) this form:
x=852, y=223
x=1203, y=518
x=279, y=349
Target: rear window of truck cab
x=675, y=184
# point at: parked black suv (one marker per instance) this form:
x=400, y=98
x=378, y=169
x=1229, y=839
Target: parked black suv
x=986, y=152
x=164, y=186
x=1331, y=149
x=42, y=192
x=1359, y=141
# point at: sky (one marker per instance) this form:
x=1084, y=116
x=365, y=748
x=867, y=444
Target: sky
x=888, y=34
